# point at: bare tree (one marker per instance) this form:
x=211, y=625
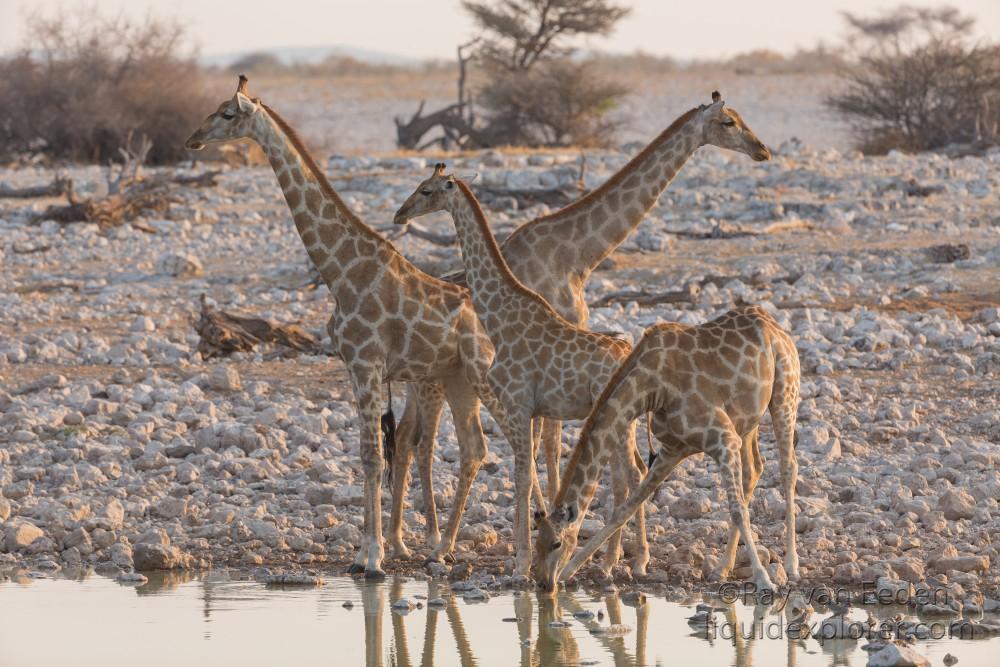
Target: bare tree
x=919, y=81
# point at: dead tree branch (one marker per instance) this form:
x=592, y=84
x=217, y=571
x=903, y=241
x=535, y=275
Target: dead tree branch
x=223, y=333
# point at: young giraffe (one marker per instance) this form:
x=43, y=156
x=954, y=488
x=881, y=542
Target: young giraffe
x=391, y=322
x=543, y=366
x=707, y=387
x=555, y=254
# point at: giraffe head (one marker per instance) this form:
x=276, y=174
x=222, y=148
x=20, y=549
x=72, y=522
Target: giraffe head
x=554, y=546
x=431, y=195
x=724, y=127
x=232, y=120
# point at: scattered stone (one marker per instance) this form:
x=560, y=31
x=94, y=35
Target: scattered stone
x=291, y=579
x=897, y=655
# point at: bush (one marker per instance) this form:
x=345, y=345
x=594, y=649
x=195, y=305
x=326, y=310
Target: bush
x=919, y=82
x=85, y=83
x=557, y=102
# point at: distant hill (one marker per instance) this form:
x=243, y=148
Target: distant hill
x=310, y=55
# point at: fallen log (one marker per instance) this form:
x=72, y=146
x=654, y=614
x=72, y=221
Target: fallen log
x=688, y=294
x=57, y=188
x=223, y=333
x=741, y=232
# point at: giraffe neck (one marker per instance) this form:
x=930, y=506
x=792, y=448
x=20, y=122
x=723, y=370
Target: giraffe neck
x=613, y=211
x=498, y=296
x=629, y=393
x=330, y=231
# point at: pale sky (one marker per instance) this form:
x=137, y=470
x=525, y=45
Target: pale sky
x=432, y=28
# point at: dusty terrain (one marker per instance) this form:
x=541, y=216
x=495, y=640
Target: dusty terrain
x=121, y=447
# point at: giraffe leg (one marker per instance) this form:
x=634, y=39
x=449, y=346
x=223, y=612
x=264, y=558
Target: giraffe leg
x=552, y=442
x=619, y=487
x=536, y=441
x=752, y=465
x=783, y=418
x=472, y=450
x=662, y=466
x=431, y=399
x=368, y=393
x=634, y=469
x=518, y=435
x=727, y=453
x=406, y=433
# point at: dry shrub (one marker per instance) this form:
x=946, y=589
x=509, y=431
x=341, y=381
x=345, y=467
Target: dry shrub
x=85, y=82
x=919, y=82
x=557, y=102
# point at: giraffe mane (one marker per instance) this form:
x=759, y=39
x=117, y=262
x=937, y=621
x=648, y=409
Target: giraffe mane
x=622, y=173
x=324, y=183
x=583, y=442
x=494, y=249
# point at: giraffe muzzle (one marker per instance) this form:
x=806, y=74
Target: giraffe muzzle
x=762, y=154
x=401, y=219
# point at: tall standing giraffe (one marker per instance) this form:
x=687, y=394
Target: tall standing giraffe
x=708, y=387
x=543, y=366
x=391, y=322
x=555, y=254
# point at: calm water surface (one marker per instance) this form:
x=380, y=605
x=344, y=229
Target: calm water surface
x=216, y=619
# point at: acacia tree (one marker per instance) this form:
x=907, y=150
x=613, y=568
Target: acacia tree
x=519, y=33
x=919, y=81
x=534, y=94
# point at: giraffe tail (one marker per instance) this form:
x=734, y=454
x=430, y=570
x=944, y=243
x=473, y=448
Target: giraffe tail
x=388, y=441
x=388, y=424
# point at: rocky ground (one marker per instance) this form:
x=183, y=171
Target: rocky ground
x=121, y=448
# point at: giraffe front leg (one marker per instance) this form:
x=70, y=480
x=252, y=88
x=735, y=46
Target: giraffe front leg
x=634, y=473
x=727, y=451
x=665, y=462
x=406, y=433
x=368, y=391
x=753, y=466
x=431, y=397
x=552, y=443
x=472, y=451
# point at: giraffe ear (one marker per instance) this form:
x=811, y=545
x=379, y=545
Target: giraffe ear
x=246, y=105
x=469, y=178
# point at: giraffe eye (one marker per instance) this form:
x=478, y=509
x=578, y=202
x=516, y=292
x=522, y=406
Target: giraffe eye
x=426, y=192
x=229, y=116
x=556, y=545
x=729, y=123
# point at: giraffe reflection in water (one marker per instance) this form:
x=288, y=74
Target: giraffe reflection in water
x=550, y=630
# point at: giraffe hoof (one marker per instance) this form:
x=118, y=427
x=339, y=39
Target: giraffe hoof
x=433, y=559
x=376, y=574
x=401, y=552
x=355, y=569
x=719, y=574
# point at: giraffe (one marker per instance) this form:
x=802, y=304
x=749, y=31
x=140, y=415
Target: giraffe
x=707, y=387
x=555, y=254
x=543, y=365
x=391, y=321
